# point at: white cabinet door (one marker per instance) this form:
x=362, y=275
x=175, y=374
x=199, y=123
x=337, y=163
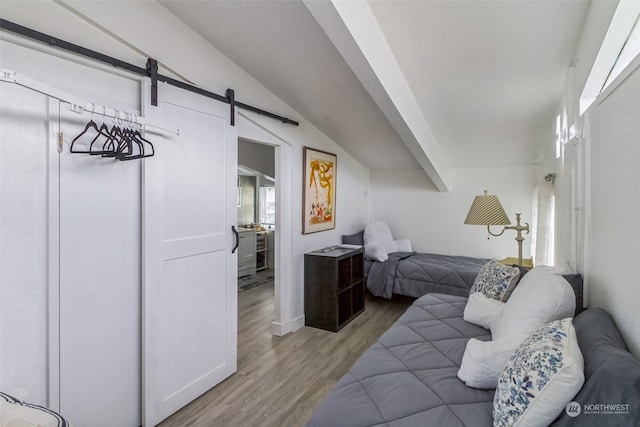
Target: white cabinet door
x=190, y=290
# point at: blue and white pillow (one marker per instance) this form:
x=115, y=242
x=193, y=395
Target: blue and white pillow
x=496, y=280
x=540, y=378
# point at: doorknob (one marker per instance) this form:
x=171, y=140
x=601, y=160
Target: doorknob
x=233, y=228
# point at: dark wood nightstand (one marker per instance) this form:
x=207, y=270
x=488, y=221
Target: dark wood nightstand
x=333, y=287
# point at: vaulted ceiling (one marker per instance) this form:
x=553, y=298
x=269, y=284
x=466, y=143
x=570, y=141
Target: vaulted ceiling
x=407, y=84
x=402, y=84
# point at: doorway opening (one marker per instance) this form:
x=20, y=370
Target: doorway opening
x=252, y=129
x=256, y=218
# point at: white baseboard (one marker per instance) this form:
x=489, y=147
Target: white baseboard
x=297, y=323
x=281, y=329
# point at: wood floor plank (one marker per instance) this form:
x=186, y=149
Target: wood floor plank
x=280, y=380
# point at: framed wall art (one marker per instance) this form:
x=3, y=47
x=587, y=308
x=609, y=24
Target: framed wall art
x=319, y=191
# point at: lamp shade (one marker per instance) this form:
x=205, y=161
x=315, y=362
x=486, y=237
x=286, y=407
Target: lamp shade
x=487, y=210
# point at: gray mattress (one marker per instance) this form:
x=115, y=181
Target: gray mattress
x=409, y=377
x=416, y=274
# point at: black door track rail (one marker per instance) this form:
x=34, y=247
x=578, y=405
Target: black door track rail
x=151, y=71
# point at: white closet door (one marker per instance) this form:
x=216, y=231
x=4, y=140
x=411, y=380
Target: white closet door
x=100, y=273
x=190, y=290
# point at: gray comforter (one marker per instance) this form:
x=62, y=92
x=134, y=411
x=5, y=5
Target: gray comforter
x=409, y=377
x=416, y=274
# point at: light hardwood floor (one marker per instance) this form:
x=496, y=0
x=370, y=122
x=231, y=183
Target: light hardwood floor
x=280, y=380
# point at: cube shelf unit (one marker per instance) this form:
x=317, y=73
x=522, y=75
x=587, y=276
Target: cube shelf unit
x=333, y=287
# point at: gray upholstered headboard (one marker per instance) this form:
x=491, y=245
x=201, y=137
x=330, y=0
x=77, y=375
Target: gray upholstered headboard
x=575, y=280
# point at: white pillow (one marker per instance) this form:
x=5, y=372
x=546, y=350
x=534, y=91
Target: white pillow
x=539, y=298
x=540, y=378
x=379, y=234
x=403, y=245
x=481, y=310
x=375, y=253
x=14, y=412
x=553, y=269
x=484, y=361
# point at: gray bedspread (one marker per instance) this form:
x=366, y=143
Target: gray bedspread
x=409, y=377
x=416, y=274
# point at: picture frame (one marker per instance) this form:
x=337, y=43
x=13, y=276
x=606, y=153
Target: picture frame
x=319, y=191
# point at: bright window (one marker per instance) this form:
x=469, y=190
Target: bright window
x=620, y=47
x=267, y=212
x=629, y=52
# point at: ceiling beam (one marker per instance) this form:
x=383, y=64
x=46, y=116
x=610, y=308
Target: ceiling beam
x=353, y=29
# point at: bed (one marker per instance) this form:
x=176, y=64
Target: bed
x=416, y=274
x=392, y=267
x=409, y=377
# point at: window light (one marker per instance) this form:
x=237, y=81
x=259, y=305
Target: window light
x=619, y=48
x=558, y=136
x=630, y=50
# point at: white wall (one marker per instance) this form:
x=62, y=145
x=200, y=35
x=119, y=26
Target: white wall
x=609, y=261
x=259, y=157
x=23, y=243
x=613, y=252
x=434, y=221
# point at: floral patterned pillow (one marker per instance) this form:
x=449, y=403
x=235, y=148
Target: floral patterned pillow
x=496, y=280
x=540, y=378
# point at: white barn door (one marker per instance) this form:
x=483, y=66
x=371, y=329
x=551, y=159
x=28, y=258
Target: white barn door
x=190, y=272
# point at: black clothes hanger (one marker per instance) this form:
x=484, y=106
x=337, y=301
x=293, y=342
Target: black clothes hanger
x=122, y=143
x=140, y=141
x=89, y=126
x=115, y=143
x=106, y=133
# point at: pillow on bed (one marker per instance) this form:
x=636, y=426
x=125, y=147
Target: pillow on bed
x=483, y=361
x=492, y=286
x=540, y=297
x=353, y=239
x=481, y=310
x=540, y=378
x=496, y=280
x=378, y=235
x=375, y=253
x=14, y=412
x=403, y=245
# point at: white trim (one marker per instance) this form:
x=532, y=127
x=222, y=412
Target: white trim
x=53, y=242
x=1, y=323
x=250, y=129
x=633, y=65
x=281, y=329
x=586, y=134
x=297, y=323
x=617, y=34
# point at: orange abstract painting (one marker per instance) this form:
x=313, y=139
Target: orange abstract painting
x=319, y=191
